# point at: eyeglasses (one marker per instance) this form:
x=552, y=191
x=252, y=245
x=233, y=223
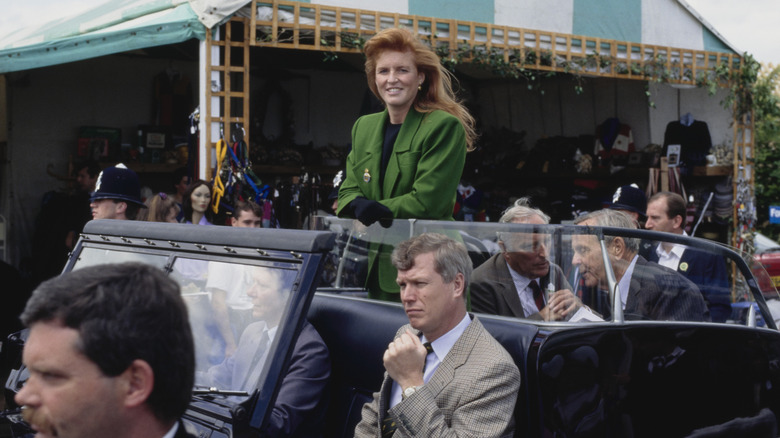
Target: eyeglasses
x=524, y=242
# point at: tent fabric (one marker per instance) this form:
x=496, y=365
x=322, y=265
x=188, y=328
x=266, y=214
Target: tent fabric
x=113, y=27
x=214, y=12
x=657, y=22
x=121, y=25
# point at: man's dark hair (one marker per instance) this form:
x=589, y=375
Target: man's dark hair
x=247, y=206
x=125, y=312
x=675, y=205
x=92, y=166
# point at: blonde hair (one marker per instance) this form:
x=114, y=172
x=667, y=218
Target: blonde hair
x=157, y=208
x=436, y=93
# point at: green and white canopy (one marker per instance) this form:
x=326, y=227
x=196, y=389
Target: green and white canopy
x=122, y=25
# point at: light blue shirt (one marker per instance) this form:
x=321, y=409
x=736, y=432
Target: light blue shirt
x=441, y=347
x=525, y=293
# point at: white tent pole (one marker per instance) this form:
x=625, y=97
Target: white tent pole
x=202, y=81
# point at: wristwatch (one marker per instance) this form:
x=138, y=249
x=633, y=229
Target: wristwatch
x=409, y=391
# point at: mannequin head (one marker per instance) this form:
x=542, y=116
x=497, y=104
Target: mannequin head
x=197, y=201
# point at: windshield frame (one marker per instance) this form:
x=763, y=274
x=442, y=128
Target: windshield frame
x=353, y=234
x=299, y=250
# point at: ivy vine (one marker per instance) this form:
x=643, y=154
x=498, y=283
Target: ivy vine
x=522, y=64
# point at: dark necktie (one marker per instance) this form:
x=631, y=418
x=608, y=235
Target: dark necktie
x=388, y=424
x=538, y=297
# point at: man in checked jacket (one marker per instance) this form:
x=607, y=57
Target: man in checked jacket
x=445, y=372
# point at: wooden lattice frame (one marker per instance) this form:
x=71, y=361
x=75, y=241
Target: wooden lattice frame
x=226, y=67
x=305, y=26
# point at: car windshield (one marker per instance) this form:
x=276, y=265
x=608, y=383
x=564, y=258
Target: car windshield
x=235, y=311
x=98, y=255
x=236, y=308
x=605, y=270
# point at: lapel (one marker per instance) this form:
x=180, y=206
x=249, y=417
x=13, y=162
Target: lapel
x=457, y=356
x=635, y=285
x=384, y=398
x=652, y=255
x=370, y=143
x=688, y=257
x=505, y=286
x=402, y=144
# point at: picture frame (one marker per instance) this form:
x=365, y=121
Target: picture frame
x=673, y=155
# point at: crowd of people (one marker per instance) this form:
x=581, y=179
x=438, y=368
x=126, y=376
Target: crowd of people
x=444, y=371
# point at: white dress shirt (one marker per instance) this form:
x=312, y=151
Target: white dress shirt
x=671, y=259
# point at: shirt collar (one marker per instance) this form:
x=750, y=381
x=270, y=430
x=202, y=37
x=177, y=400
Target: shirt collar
x=172, y=432
x=444, y=344
x=519, y=279
x=677, y=251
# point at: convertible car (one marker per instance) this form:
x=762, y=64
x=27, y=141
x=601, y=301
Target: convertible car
x=603, y=371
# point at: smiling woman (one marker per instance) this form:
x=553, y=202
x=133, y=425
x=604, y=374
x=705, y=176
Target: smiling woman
x=407, y=160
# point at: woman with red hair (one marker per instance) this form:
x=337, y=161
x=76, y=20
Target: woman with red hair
x=406, y=161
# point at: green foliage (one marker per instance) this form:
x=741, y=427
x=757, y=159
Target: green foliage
x=766, y=100
x=523, y=63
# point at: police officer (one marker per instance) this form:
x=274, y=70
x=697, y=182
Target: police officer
x=117, y=194
x=630, y=199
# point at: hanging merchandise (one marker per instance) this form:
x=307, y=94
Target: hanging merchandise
x=694, y=139
x=652, y=181
x=311, y=196
x=219, y=185
x=746, y=210
x=189, y=155
x=614, y=142
x=288, y=205
x=690, y=215
x=675, y=183
x=468, y=204
x=234, y=179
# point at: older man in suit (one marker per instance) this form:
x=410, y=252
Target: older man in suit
x=445, y=372
x=512, y=282
x=648, y=290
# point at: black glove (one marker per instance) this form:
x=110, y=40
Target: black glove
x=368, y=212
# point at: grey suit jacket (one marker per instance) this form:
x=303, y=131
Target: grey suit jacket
x=493, y=291
x=473, y=392
x=662, y=294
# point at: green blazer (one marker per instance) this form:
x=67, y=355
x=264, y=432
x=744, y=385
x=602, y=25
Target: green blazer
x=424, y=170
x=421, y=179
